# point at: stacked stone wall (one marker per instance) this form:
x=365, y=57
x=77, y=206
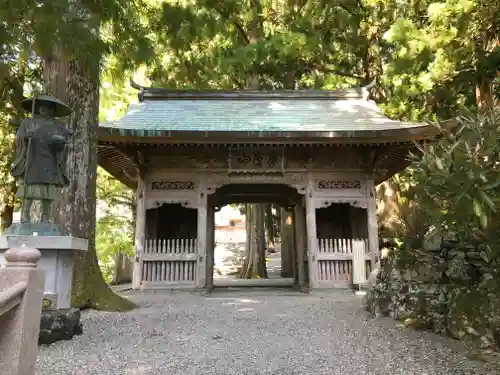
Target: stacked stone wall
x=453, y=291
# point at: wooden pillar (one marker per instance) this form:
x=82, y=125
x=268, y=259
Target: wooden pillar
x=202, y=236
x=300, y=243
x=210, y=245
x=373, y=244
x=294, y=249
x=312, y=242
x=140, y=230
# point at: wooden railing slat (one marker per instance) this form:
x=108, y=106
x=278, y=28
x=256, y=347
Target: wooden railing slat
x=337, y=257
x=171, y=261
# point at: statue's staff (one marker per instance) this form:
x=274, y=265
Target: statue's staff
x=28, y=154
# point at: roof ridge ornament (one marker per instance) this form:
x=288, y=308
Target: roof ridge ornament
x=137, y=87
x=365, y=90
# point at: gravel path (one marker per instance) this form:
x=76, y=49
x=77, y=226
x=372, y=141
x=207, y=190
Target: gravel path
x=249, y=333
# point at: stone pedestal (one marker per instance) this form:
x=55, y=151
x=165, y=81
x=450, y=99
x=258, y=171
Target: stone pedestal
x=57, y=262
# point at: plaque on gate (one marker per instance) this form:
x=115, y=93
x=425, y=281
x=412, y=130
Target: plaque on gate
x=252, y=160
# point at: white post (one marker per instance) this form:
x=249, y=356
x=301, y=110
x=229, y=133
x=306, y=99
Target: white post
x=140, y=231
x=202, y=235
x=371, y=199
x=312, y=242
x=358, y=262
x=210, y=244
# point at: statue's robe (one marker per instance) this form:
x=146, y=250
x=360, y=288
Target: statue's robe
x=40, y=164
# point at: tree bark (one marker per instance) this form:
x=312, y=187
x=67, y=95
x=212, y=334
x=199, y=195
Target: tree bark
x=287, y=244
x=7, y=216
x=484, y=95
x=77, y=83
x=123, y=269
x=255, y=252
x=261, y=240
x=484, y=83
x=270, y=228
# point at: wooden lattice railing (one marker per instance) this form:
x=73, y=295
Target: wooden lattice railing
x=342, y=261
x=21, y=298
x=171, y=262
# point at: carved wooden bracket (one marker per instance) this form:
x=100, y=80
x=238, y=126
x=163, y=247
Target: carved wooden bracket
x=323, y=203
x=295, y=180
x=301, y=189
x=160, y=202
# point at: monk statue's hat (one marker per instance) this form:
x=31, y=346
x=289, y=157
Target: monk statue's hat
x=61, y=109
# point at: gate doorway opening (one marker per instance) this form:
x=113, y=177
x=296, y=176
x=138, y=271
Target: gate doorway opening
x=342, y=245
x=170, y=249
x=256, y=237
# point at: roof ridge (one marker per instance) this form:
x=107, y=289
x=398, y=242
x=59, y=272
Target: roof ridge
x=165, y=93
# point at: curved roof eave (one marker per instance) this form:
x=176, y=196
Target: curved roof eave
x=403, y=134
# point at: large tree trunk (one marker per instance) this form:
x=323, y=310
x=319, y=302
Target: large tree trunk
x=123, y=269
x=270, y=228
x=78, y=85
x=484, y=95
x=255, y=252
x=484, y=82
x=287, y=243
x=260, y=237
x=6, y=216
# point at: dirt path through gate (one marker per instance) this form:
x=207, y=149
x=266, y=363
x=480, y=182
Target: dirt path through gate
x=251, y=332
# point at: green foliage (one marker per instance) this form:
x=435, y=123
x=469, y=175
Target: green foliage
x=37, y=26
x=86, y=30
x=18, y=71
x=113, y=236
x=115, y=222
x=115, y=95
x=440, y=53
x=458, y=179
x=224, y=44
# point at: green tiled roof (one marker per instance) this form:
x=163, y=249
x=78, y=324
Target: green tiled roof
x=269, y=114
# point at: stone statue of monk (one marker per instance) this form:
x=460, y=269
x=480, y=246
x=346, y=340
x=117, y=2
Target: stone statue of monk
x=41, y=154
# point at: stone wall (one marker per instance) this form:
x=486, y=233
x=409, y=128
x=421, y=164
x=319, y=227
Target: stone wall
x=451, y=291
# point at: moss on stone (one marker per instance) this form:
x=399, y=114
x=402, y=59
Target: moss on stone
x=439, y=294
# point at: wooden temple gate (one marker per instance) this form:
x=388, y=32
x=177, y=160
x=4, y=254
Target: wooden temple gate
x=333, y=248
x=330, y=147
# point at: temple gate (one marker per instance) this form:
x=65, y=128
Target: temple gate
x=319, y=154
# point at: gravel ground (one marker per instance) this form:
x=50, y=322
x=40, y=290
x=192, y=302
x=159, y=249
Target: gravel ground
x=249, y=332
